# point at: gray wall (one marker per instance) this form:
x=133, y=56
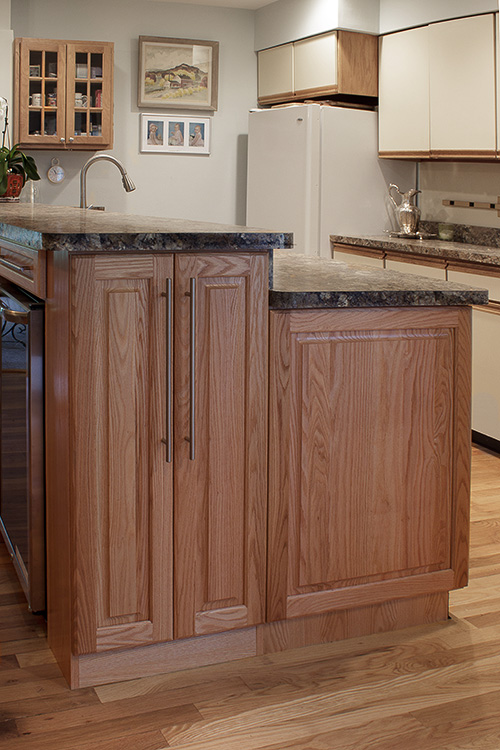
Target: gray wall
x=212, y=187
x=287, y=20
x=395, y=14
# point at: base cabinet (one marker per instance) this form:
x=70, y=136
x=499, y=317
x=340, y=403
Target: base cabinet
x=485, y=354
x=369, y=457
x=165, y=452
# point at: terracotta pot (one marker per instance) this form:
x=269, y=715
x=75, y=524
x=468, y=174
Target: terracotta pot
x=14, y=186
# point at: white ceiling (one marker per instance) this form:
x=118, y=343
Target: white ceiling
x=245, y=4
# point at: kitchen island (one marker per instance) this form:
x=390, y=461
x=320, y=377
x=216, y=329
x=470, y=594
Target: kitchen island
x=167, y=545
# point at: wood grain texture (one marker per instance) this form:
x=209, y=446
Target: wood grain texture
x=433, y=687
x=220, y=520
x=122, y=482
x=30, y=264
x=65, y=83
x=357, y=63
x=386, y=522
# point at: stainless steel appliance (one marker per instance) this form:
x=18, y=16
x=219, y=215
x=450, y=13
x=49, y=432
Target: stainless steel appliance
x=22, y=480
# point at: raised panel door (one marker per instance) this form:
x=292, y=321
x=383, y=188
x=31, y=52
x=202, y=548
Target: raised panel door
x=364, y=422
x=220, y=441
x=122, y=478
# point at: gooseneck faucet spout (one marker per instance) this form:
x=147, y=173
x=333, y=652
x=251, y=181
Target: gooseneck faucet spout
x=127, y=182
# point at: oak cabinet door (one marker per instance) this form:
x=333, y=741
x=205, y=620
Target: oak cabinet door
x=122, y=481
x=368, y=463
x=220, y=442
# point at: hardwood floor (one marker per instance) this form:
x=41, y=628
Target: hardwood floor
x=435, y=687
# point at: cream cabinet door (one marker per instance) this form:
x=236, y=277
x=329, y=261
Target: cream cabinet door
x=404, y=93
x=275, y=73
x=315, y=63
x=432, y=272
x=485, y=356
x=358, y=260
x=462, y=86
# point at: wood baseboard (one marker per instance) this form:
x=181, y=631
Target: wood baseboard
x=126, y=664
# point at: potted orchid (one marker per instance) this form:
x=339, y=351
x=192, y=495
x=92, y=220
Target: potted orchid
x=16, y=168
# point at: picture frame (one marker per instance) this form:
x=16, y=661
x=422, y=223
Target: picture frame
x=177, y=135
x=178, y=73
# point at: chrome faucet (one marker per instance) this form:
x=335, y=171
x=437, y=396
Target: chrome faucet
x=127, y=182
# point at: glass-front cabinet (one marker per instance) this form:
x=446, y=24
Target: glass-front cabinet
x=63, y=94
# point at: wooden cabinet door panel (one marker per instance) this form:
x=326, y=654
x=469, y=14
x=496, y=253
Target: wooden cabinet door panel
x=123, y=482
x=220, y=478
x=358, y=407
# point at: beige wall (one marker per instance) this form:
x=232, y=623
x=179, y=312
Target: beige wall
x=212, y=188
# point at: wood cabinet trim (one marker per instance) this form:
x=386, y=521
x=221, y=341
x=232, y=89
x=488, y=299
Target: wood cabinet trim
x=375, y=593
x=32, y=270
x=369, y=252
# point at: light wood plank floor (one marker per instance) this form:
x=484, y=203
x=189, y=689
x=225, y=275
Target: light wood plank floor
x=428, y=688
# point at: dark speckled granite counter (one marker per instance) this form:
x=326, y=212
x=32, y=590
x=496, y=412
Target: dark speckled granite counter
x=435, y=248
x=83, y=231
x=302, y=281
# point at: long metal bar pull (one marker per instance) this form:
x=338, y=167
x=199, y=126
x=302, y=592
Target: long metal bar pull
x=168, y=363
x=192, y=370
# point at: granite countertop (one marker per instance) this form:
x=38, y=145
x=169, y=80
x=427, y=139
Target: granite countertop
x=433, y=247
x=82, y=231
x=303, y=281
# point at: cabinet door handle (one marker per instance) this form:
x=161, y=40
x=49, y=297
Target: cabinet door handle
x=168, y=363
x=192, y=370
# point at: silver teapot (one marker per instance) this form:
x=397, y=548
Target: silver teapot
x=407, y=214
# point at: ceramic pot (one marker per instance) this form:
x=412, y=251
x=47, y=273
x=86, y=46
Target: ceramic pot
x=14, y=186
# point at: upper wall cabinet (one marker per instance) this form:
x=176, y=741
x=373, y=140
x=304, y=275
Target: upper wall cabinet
x=63, y=94
x=437, y=91
x=334, y=64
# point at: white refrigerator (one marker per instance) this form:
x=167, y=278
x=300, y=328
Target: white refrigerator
x=314, y=170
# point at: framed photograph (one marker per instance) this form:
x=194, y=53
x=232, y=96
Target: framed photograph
x=181, y=135
x=178, y=73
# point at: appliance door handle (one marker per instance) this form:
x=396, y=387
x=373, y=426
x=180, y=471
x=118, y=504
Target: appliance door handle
x=192, y=369
x=13, y=316
x=168, y=364
x=14, y=266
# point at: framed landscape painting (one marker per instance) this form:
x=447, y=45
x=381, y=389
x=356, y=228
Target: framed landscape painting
x=179, y=73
